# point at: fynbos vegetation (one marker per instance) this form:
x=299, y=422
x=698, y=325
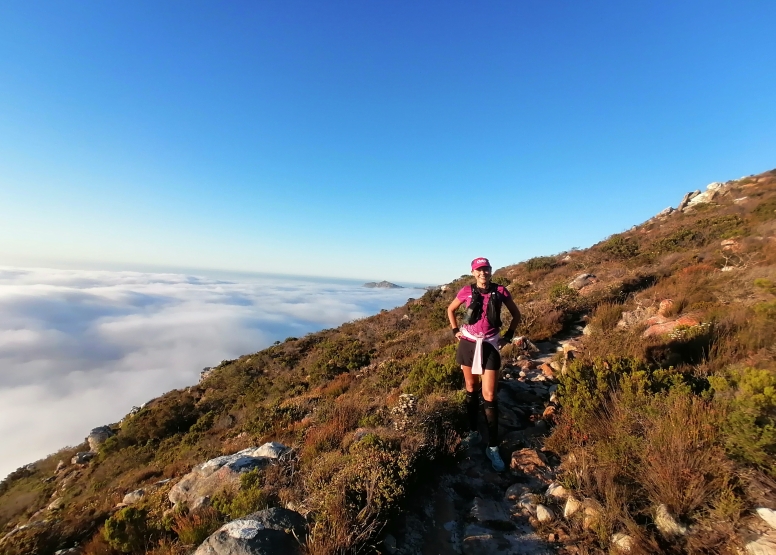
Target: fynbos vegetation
x=666, y=413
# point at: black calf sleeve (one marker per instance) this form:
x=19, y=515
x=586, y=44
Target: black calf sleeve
x=473, y=409
x=491, y=415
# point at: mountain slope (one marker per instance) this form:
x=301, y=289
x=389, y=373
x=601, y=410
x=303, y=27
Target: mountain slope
x=669, y=403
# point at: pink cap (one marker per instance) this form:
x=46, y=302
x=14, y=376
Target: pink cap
x=480, y=263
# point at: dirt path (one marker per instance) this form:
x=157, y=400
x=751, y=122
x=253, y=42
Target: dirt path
x=472, y=509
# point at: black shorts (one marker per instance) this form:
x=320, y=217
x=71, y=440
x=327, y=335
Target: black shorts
x=491, y=359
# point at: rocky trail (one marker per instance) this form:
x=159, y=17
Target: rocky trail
x=474, y=510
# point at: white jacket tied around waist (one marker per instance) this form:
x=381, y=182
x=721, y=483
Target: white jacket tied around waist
x=477, y=362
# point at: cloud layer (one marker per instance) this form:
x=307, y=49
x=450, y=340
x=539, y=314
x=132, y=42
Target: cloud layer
x=79, y=348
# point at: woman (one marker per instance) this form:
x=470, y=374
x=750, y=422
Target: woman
x=478, y=349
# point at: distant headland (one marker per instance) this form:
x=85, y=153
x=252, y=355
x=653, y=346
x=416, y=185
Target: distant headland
x=383, y=285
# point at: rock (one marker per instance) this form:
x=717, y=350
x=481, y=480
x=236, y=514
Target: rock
x=489, y=512
x=666, y=523
x=768, y=515
x=592, y=515
x=516, y=491
x=572, y=506
x=272, y=450
x=525, y=364
x=622, y=542
x=665, y=306
x=133, y=497
x=712, y=189
x=527, y=503
x=686, y=200
x=98, y=436
x=581, y=281
x=389, y=542
x=207, y=478
x=528, y=461
x=667, y=327
x=509, y=420
x=60, y=466
x=82, y=457
x=69, y=551
x=547, y=370
x=56, y=505
x=634, y=317
x=557, y=491
x=544, y=514
x=665, y=212
x=763, y=545
x=247, y=537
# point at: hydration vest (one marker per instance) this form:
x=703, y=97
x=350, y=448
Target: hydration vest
x=474, y=312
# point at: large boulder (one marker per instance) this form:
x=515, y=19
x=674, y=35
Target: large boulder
x=657, y=327
x=273, y=531
x=98, y=436
x=582, y=280
x=211, y=476
x=82, y=457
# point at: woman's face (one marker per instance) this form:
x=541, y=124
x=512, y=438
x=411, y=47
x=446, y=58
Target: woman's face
x=482, y=275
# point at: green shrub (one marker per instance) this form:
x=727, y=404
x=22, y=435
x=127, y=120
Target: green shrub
x=765, y=210
x=128, y=530
x=766, y=284
x=435, y=371
x=749, y=395
x=248, y=499
x=766, y=310
x=700, y=233
x=619, y=247
x=564, y=297
x=540, y=263
x=339, y=355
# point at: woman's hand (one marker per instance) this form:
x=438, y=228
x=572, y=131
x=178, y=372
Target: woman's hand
x=458, y=336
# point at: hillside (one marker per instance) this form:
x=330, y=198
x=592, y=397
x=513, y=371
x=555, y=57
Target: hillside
x=665, y=411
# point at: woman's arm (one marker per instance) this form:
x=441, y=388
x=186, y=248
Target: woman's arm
x=452, y=307
x=515, y=312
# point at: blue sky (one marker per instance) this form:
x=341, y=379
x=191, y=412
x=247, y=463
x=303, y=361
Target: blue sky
x=377, y=140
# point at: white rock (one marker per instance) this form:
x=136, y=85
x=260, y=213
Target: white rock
x=98, y=436
x=557, y=491
x=272, y=450
x=56, y=504
x=764, y=545
x=526, y=503
x=666, y=523
x=665, y=211
x=133, y=497
x=768, y=515
x=592, y=515
x=622, y=542
x=572, y=506
x=544, y=514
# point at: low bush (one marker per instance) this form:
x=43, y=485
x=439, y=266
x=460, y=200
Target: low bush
x=540, y=263
x=606, y=316
x=620, y=248
x=128, y=530
x=194, y=527
x=435, y=371
x=249, y=498
x=748, y=395
x=339, y=355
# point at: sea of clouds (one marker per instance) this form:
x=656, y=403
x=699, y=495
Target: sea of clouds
x=78, y=349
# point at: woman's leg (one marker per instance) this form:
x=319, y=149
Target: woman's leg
x=472, y=397
x=489, y=384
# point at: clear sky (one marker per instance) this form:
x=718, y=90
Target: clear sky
x=381, y=139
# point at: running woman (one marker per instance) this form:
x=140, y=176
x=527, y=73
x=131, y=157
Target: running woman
x=478, y=349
